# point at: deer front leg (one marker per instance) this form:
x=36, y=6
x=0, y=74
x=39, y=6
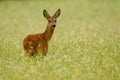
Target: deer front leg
x=44, y=51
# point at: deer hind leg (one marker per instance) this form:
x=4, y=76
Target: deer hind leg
x=27, y=52
x=28, y=49
x=35, y=51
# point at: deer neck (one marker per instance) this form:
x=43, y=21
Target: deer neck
x=48, y=33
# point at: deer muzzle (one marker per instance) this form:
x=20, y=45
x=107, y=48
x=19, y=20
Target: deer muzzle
x=53, y=26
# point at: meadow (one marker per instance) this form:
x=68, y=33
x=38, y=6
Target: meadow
x=84, y=46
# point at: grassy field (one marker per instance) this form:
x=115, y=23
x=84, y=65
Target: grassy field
x=85, y=44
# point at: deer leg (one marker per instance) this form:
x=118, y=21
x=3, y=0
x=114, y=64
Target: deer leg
x=44, y=51
x=35, y=52
x=27, y=53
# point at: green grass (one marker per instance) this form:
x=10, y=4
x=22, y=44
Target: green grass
x=85, y=44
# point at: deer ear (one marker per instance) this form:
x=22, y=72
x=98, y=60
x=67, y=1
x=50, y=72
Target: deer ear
x=57, y=14
x=45, y=14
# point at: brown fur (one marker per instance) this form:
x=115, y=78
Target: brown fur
x=34, y=42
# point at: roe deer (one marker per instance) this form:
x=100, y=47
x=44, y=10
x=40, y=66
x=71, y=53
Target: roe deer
x=34, y=42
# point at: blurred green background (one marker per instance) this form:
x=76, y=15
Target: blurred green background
x=85, y=44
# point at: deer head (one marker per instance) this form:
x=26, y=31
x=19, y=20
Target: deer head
x=51, y=19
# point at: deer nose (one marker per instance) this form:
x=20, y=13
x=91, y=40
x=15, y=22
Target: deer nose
x=53, y=26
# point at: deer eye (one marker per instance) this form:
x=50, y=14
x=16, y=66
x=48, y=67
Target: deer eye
x=55, y=20
x=49, y=21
